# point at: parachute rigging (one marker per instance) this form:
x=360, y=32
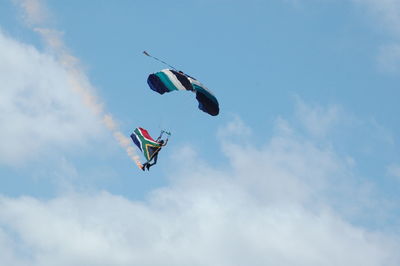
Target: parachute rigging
x=159, y=60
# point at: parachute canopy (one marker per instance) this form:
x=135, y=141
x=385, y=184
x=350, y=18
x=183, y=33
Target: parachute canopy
x=168, y=80
x=145, y=142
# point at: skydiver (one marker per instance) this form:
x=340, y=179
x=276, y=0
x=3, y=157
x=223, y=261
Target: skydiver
x=155, y=156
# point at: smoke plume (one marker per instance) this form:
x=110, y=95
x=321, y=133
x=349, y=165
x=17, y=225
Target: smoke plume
x=35, y=15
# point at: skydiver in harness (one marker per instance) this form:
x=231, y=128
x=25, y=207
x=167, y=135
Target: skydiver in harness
x=154, y=158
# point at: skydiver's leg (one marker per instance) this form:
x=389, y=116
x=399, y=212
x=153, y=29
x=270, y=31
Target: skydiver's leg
x=144, y=166
x=154, y=162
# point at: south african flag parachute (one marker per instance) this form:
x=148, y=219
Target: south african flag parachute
x=145, y=142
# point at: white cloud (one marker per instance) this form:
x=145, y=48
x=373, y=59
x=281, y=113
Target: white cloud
x=389, y=58
x=35, y=11
x=386, y=12
x=384, y=16
x=318, y=120
x=271, y=206
x=48, y=97
x=236, y=127
x=394, y=170
x=38, y=108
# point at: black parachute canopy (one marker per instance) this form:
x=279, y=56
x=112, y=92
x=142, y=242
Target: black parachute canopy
x=168, y=80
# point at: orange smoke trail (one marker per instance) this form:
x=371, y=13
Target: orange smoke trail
x=35, y=13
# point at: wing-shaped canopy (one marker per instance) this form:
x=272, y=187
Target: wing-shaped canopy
x=168, y=80
x=145, y=142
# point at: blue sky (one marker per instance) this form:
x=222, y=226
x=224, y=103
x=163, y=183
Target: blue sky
x=301, y=167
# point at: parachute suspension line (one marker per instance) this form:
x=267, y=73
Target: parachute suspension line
x=159, y=60
x=162, y=133
x=159, y=137
x=166, y=132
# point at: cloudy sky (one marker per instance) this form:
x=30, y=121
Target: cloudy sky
x=301, y=167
